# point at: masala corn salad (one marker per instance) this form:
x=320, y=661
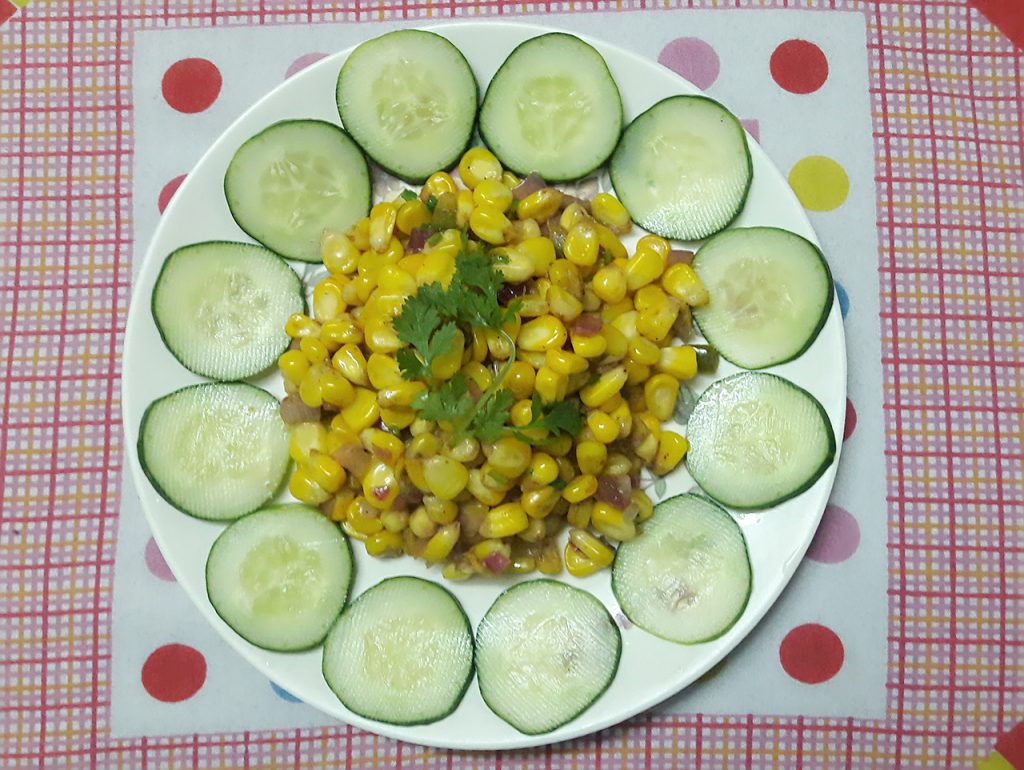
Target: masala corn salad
x=486, y=364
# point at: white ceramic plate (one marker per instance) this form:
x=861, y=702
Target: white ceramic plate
x=651, y=669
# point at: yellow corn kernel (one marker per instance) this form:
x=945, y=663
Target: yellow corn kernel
x=643, y=504
x=383, y=371
x=566, y=275
x=589, y=345
x=305, y=438
x=327, y=300
x=541, y=253
x=438, y=267
x=672, y=448
x=477, y=165
x=519, y=379
x=477, y=486
x=453, y=571
x=441, y=543
x=313, y=349
x=463, y=208
x=606, y=386
x=535, y=358
x=309, y=389
x=680, y=362
x=580, y=488
x=340, y=504
x=646, y=265
x=564, y=362
x=412, y=263
x=610, y=243
x=465, y=450
x=441, y=182
x=615, y=342
x=393, y=253
x=338, y=253
x=301, y=325
x=382, y=225
x=350, y=361
x=623, y=416
x=383, y=542
x=509, y=456
x=591, y=456
x=445, y=477
x=683, y=283
x=421, y=524
x=397, y=417
x=385, y=446
x=609, y=283
x=609, y=521
x=655, y=323
x=591, y=547
x=440, y=511
x=543, y=470
x=647, y=430
x=326, y=472
x=394, y=281
x=540, y=205
x=486, y=548
x=477, y=373
x=363, y=518
x=549, y=560
x=573, y=213
x=611, y=213
x=582, y=244
x=559, y=446
x=618, y=464
x=578, y=514
x=577, y=563
x=521, y=413
x=412, y=214
x=504, y=521
x=305, y=489
x=424, y=445
x=626, y=324
x=563, y=305
x=363, y=284
x=499, y=345
x=335, y=389
x=636, y=373
x=294, y=365
x=510, y=180
x=359, y=234
x=491, y=225
x=535, y=532
x=550, y=385
x=414, y=470
x=492, y=192
x=524, y=230
x=363, y=411
x=446, y=365
x=522, y=564
x=538, y=503
x=340, y=331
x=660, y=393
x=381, y=337
x=542, y=334
x=604, y=427
x=513, y=264
x=380, y=485
x=644, y=352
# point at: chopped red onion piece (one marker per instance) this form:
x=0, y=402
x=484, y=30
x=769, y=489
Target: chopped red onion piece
x=528, y=186
x=497, y=562
x=680, y=256
x=294, y=410
x=587, y=325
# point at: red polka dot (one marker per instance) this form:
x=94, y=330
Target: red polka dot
x=811, y=653
x=1011, y=746
x=168, y=192
x=191, y=85
x=851, y=420
x=174, y=672
x=799, y=66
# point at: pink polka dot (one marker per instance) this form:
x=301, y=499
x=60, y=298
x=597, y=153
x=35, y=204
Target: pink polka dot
x=191, y=85
x=752, y=127
x=155, y=562
x=692, y=58
x=302, y=62
x=168, y=192
x=812, y=653
x=851, y=420
x=174, y=672
x=837, y=537
x=799, y=66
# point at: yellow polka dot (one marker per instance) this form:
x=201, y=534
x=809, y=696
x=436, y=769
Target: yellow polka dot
x=819, y=182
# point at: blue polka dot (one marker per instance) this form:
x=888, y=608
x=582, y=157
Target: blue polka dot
x=844, y=299
x=283, y=694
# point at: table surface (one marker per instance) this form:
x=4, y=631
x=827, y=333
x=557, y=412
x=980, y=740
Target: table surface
x=949, y=140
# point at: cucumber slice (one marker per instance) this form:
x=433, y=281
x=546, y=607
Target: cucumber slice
x=292, y=180
x=771, y=293
x=215, y=451
x=687, y=578
x=545, y=652
x=757, y=440
x=280, y=576
x=220, y=308
x=683, y=168
x=409, y=99
x=552, y=107
x=402, y=653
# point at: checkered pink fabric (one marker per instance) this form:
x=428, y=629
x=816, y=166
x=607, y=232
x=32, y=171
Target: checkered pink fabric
x=949, y=133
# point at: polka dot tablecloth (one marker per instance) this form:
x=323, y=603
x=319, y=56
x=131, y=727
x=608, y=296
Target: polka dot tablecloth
x=899, y=642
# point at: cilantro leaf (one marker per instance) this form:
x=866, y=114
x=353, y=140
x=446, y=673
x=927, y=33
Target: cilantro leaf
x=447, y=402
x=557, y=417
x=488, y=422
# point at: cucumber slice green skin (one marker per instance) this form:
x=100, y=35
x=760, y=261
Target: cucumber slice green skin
x=264, y=354
x=278, y=457
x=240, y=181
x=235, y=531
x=625, y=175
x=391, y=47
x=368, y=596
x=704, y=413
x=482, y=652
x=702, y=263
x=627, y=572
x=575, y=55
